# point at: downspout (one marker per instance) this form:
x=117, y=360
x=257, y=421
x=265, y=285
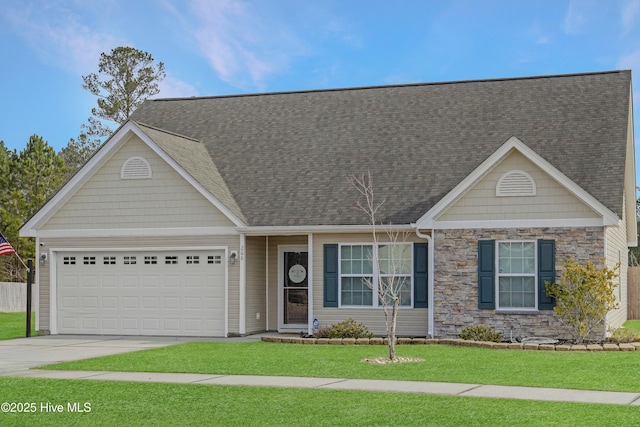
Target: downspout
x=429, y=279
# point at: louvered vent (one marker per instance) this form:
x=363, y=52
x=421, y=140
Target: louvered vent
x=135, y=168
x=516, y=183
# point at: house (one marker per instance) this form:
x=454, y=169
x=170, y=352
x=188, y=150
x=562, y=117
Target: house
x=232, y=215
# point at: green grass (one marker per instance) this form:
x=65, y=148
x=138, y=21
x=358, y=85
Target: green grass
x=612, y=371
x=147, y=404
x=632, y=325
x=13, y=325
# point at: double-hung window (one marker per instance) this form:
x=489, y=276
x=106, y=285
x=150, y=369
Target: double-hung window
x=360, y=283
x=516, y=275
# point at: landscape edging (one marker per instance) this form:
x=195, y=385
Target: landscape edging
x=458, y=342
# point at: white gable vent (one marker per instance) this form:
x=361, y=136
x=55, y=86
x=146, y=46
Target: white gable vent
x=135, y=168
x=516, y=183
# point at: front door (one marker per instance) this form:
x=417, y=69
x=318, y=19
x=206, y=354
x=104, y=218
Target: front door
x=294, y=301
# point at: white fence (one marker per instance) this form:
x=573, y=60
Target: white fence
x=13, y=297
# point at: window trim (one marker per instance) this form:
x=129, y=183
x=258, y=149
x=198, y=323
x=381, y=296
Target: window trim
x=498, y=275
x=375, y=300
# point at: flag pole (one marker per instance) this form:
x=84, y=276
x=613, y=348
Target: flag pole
x=25, y=265
x=29, y=295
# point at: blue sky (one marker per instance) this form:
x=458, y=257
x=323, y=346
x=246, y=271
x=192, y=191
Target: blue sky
x=217, y=47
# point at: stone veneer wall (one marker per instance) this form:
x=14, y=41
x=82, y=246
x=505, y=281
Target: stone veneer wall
x=456, y=279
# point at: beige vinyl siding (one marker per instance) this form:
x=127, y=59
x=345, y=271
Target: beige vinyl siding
x=177, y=242
x=616, y=251
x=106, y=201
x=411, y=321
x=273, y=280
x=552, y=201
x=255, y=314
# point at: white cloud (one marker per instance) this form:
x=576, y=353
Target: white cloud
x=171, y=87
x=576, y=17
x=630, y=14
x=243, y=47
x=58, y=36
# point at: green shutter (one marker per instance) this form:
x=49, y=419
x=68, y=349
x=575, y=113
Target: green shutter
x=546, y=272
x=486, y=274
x=420, y=275
x=331, y=275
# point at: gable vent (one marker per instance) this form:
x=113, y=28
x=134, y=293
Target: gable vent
x=135, y=168
x=516, y=183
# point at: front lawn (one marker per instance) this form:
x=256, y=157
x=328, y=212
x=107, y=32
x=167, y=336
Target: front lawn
x=632, y=325
x=612, y=371
x=14, y=325
x=147, y=404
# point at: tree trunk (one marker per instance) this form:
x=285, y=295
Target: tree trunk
x=392, y=330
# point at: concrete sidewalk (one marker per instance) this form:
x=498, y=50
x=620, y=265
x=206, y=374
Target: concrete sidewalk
x=18, y=356
x=449, y=389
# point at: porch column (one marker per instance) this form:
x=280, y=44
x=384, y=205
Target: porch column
x=310, y=283
x=242, y=322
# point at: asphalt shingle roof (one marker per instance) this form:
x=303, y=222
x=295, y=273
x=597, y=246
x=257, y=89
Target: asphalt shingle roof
x=285, y=157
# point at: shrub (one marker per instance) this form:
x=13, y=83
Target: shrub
x=623, y=335
x=480, y=333
x=583, y=297
x=349, y=328
x=322, y=332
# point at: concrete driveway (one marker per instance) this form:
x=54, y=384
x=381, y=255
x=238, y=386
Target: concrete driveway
x=25, y=353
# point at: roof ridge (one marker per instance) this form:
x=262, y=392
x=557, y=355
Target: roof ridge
x=359, y=88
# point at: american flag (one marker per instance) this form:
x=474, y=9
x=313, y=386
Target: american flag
x=5, y=247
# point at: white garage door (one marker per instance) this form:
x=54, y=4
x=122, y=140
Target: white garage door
x=176, y=293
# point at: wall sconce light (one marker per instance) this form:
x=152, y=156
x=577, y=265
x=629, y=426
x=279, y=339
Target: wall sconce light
x=233, y=257
x=43, y=258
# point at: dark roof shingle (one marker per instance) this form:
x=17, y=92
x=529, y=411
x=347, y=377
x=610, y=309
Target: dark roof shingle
x=285, y=157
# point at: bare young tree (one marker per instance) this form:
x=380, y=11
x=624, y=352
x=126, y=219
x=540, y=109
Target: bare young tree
x=389, y=258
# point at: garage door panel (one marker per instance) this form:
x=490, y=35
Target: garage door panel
x=109, y=302
x=171, y=325
x=172, y=281
x=214, y=303
x=130, y=324
x=151, y=302
x=129, y=302
x=89, y=302
x=162, y=293
x=171, y=303
x=109, y=324
x=130, y=281
x=109, y=281
x=89, y=282
x=193, y=303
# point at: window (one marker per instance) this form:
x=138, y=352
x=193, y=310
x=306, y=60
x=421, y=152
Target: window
x=69, y=260
x=508, y=271
x=129, y=260
x=358, y=282
x=89, y=260
x=193, y=259
x=214, y=259
x=150, y=259
x=170, y=259
x=109, y=260
x=516, y=275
